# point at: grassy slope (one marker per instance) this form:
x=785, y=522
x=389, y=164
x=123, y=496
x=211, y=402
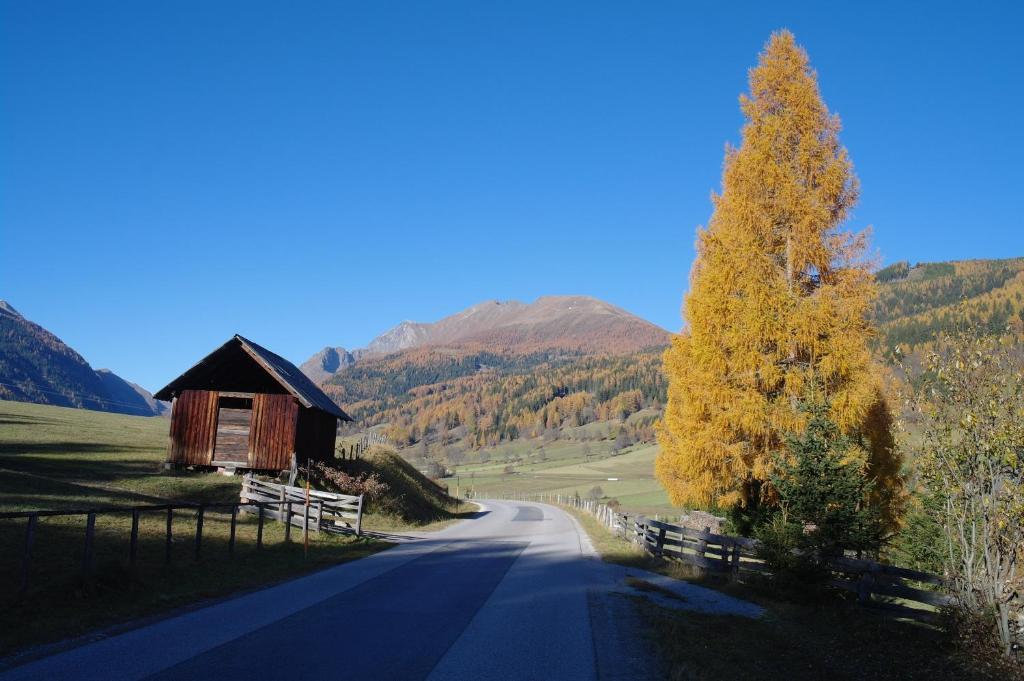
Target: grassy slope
x=412, y=502
x=52, y=457
x=814, y=640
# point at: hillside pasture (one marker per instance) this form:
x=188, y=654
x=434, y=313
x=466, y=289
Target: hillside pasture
x=568, y=470
x=60, y=458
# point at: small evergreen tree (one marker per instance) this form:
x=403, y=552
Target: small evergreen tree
x=824, y=495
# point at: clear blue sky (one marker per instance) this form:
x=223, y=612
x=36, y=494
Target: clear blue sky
x=313, y=173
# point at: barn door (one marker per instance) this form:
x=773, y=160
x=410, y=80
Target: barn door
x=233, y=415
x=193, y=427
x=272, y=435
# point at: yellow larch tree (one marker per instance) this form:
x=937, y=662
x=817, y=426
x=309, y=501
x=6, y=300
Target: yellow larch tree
x=779, y=298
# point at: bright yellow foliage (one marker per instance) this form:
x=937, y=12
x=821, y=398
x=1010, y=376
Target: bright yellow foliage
x=778, y=295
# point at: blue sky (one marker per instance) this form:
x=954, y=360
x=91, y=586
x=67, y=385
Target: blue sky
x=313, y=173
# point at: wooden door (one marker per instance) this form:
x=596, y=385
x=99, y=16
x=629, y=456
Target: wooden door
x=232, y=433
x=193, y=427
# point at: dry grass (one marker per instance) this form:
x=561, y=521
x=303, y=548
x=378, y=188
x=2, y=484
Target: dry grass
x=825, y=637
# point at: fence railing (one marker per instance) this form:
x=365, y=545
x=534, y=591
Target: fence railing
x=905, y=592
x=354, y=446
x=325, y=511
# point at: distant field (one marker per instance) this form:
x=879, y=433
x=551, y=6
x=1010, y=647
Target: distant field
x=568, y=470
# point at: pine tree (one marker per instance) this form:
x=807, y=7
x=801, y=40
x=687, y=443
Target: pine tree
x=779, y=296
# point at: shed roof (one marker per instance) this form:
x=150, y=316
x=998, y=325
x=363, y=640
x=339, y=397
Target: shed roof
x=207, y=375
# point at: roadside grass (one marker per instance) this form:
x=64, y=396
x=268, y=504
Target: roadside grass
x=824, y=637
x=58, y=458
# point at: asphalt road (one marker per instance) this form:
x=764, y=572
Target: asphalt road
x=508, y=595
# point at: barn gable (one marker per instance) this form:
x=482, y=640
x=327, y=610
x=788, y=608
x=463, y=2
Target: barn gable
x=243, y=366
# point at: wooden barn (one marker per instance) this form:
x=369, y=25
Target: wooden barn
x=242, y=406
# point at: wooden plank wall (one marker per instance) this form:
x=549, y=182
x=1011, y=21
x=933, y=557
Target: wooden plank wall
x=272, y=431
x=193, y=428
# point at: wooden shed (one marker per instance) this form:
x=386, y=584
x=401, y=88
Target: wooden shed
x=242, y=406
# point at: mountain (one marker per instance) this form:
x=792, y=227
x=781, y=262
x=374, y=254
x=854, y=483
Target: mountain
x=564, y=322
x=326, y=363
x=574, y=324
x=36, y=366
x=501, y=370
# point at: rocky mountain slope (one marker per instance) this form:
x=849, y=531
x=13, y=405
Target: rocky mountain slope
x=573, y=324
x=37, y=366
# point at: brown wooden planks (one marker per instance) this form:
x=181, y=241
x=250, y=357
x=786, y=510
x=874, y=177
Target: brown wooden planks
x=273, y=430
x=193, y=427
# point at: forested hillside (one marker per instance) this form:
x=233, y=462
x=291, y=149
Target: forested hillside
x=916, y=303
x=37, y=366
x=482, y=398
x=478, y=395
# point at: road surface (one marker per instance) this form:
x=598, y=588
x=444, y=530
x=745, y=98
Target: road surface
x=515, y=593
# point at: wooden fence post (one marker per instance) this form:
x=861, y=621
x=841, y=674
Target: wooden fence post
x=661, y=541
x=133, y=540
x=287, y=520
x=231, y=536
x=734, y=571
x=90, y=533
x=26, y=557
x=259, y=528
x=305, y=525
x=359, y=517
x=867, y=580
x=702, y=544
x=167, y=543
x=199, y=529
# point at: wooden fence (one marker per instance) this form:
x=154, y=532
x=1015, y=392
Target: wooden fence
x=324, y=511
x=904, y=592
x=354, y=446
x=330, y=512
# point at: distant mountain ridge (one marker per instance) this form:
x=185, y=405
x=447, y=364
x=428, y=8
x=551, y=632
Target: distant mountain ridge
x=578, y=324
x=37, y=366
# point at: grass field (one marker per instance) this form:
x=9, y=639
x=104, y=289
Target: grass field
x=57, y=458
x=825, y=637
x=570, y=467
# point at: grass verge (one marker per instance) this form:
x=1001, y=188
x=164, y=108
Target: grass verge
x=824, y=638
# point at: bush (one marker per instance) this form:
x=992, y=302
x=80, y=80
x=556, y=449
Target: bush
x=368, y=484
x=971, y=458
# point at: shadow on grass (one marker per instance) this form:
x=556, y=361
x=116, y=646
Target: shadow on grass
x=19, y=419
x=63, y=600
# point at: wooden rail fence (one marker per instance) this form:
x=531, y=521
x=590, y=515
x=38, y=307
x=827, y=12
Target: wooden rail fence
x=325, y=511
x=904, y=592
x=354, y=446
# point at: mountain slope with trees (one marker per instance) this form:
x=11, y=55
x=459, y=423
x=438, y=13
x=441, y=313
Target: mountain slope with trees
x=37, y=366
x=917, y=303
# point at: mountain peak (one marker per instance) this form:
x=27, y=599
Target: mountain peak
x=327, y=362
x=575, y=323
x=8, y=309
x=558, y=321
